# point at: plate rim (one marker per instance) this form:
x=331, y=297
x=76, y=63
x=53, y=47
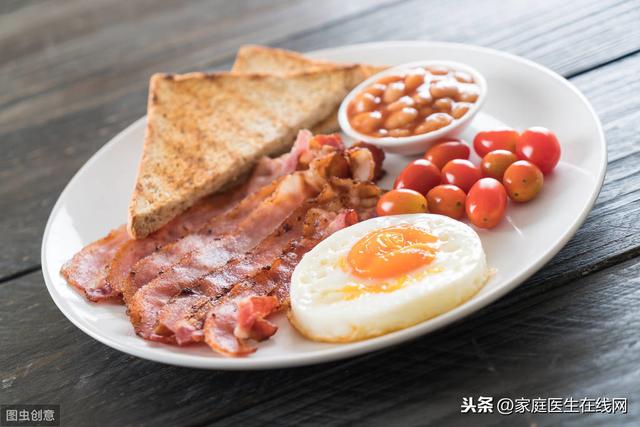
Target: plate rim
x=360, y=347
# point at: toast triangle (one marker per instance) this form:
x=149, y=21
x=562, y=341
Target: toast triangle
x=280, y=62
x=204, y=131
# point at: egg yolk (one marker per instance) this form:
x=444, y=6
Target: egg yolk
x=391, y=252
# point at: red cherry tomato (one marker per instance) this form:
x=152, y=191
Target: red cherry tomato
x=501, y=139
x=461, y=173
x=420, y=175
x=486, y=203
x=446, y=200
x=402, y=201
x=441, y=153
x=496, y=162
x=523, y=181
x=539, y=146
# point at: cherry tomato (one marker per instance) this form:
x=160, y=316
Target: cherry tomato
x=420, y=175
x=441, y=153
x=539, y=146
x=461, y=173
x=501, y=139
x=486, y=203
x=496, y=162
x=446, y=200
x=401, y=201
x=523, y=181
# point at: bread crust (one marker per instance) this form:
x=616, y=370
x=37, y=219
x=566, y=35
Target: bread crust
x=206, y=130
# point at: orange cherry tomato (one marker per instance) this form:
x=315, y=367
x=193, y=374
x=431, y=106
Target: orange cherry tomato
x=500, y=139
x=523, y=181
x=496, y=162
x=461, y=173
x=539, y=146
x=486, y=203
x=441, y=153
x=446, y=200
x=420, y=175
x=401, y=201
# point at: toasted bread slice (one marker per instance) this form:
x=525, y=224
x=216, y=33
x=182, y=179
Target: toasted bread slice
x=206, y=130
x=280, y=62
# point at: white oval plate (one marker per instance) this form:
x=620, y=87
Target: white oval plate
x=521, y=94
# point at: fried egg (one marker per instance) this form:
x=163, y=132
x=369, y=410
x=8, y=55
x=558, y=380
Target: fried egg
x=385, y=274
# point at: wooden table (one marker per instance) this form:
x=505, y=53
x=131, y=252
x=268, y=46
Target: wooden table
x=74, y=73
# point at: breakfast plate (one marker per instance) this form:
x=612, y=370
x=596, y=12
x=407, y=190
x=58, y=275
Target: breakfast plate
x=520, y=93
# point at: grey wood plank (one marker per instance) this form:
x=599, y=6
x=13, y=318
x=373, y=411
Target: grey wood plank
x=11, y=6
x=568, y=37
x=52, y=148
x=51, y=25
x=575, y=340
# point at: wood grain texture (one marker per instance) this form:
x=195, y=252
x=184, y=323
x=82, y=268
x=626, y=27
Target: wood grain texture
x=91, y=90
x=568, y=37
x=579, y=339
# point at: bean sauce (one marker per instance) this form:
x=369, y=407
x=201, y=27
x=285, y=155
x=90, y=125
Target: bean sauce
x=413, y=102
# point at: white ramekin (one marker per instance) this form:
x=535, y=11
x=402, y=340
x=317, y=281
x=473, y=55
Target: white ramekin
x=417, y=143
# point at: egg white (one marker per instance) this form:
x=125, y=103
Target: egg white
x=322, y=311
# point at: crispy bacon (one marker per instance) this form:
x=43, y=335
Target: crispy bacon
x=377, y=156
x=184, y=314
x=133, y=250
x=251, y=322
x=109, y=281
x=225, y=328
x=362, y=164
x=146, y=304
x=87, y=270
x=292, y=191
x=307, y=152
x=333, y=163
x=219, y=270
x=151, y=266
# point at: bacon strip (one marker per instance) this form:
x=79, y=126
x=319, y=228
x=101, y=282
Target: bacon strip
x=185, y=313
x=133, y=250
x=333, y=163
x=233, y=321
x=307, y=150
x=87, y=270
x=251, y=318
x=151, y=266
x=292, y=191
x=107, y=280
x=216, y=272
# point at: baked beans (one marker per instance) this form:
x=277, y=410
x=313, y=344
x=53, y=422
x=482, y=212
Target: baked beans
x=413, y=102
